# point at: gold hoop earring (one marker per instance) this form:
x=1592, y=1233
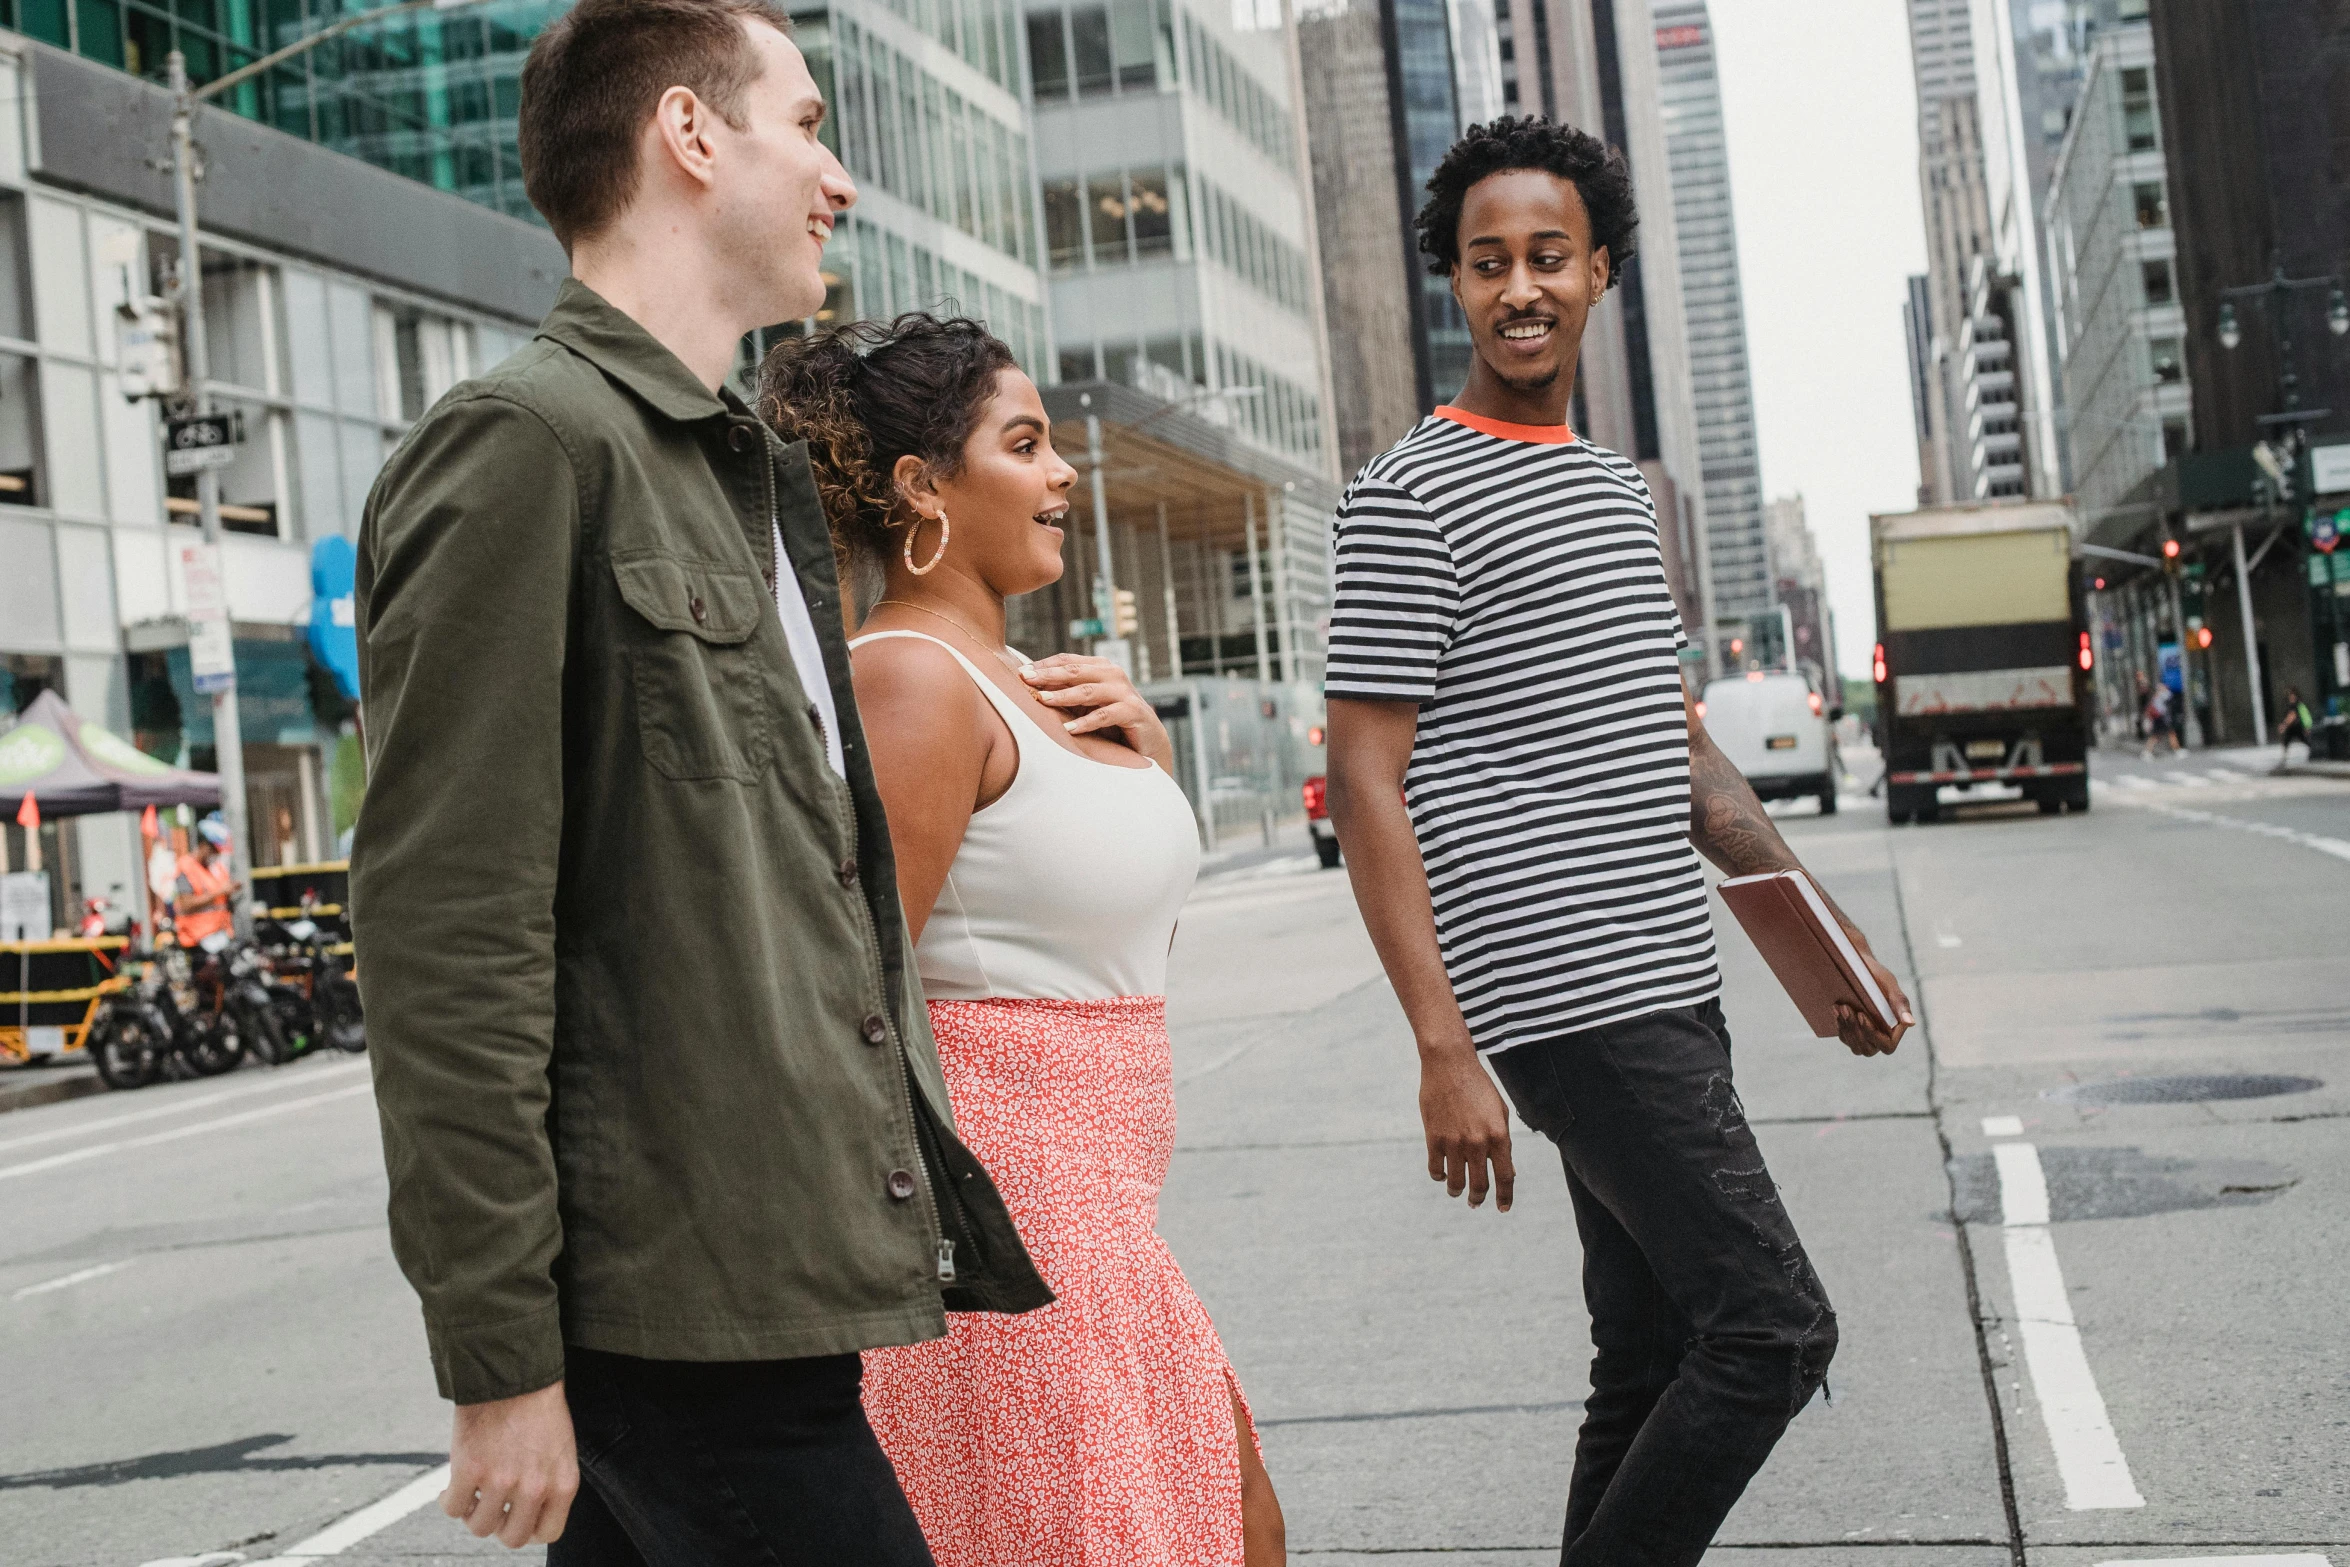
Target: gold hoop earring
x=937, y=555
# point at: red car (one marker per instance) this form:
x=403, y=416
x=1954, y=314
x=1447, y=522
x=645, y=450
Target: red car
x=1317, y=795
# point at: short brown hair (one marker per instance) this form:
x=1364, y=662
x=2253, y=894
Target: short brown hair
x=593, y=79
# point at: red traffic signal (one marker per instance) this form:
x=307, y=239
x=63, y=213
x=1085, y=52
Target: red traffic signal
x=1877, y=664
x=2088, y=659
x=2203, y=636
x=2170, y=549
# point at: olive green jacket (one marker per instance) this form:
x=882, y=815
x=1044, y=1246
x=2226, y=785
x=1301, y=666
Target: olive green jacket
x=652, y=1063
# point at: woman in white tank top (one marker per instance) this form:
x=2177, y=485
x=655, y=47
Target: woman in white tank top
x=1043, y=853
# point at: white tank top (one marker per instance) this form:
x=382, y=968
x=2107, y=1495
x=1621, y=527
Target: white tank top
x=1067, y=885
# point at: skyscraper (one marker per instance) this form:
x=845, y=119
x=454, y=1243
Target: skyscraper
x=1714, y=309
x=1958, y=227
x=1370, y=264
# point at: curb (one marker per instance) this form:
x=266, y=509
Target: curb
x=49, y=1093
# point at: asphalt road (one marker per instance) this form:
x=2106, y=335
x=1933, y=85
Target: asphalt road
x=2074, y=1331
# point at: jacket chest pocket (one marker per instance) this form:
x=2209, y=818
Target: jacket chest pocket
x=703, y=709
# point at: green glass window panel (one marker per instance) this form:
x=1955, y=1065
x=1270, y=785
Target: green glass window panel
x=101, y=22
x=45, y=20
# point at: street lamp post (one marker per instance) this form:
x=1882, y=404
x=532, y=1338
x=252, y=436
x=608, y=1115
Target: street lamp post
x=2283, y=461
x=228, y=738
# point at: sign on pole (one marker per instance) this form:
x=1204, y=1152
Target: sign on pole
x=2325, y=533
x=212, y=660
x=194, y=444
x=2329, y=468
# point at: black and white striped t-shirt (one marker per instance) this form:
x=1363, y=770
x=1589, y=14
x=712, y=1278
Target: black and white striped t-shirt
x=1507, y=578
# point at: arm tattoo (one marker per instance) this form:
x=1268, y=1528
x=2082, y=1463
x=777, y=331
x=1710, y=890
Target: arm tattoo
x=1726, y=822
x=1729, y=825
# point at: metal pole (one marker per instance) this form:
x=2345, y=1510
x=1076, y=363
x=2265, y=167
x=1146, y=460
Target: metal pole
x=1277, y=545
x=1256, y=590
x=1105, y=586
x=2251, y=642
x=228, y=738
x=1167, y=590
x=2178, y=628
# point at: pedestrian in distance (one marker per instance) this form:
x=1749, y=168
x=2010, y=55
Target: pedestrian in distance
x=1519, y=778
x=1044, y=851
x=2297, y=724
x=2161, y=717
x=666, y=1134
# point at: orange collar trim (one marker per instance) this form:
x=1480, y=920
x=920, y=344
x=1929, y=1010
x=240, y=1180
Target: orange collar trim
x=1540, y=434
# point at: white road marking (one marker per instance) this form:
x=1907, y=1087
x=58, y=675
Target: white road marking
x=96, y=1150
x=366, y=1523
x=2337, y=847
x=2023, y=1188
x=2228, y=775
x=2088, y=1455
x=71, y=1279
x=2003, y=1126
x=277, y=1083
x=2311, y=1560
x=2188, y=779
x=2133, y=781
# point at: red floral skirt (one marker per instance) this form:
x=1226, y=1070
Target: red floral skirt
x=1097, y=1431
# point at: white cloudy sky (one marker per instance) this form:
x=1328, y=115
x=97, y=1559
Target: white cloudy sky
x=1822, y=115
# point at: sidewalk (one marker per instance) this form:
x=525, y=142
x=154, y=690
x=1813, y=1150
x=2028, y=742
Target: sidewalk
x=23, y=1087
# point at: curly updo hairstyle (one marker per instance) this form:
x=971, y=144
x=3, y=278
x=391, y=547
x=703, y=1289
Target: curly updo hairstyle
x=1531, y=141
x=864, y=395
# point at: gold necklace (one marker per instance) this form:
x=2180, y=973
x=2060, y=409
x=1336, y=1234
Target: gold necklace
x=998, y=649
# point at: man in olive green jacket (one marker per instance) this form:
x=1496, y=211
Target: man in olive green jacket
x=667, y=1138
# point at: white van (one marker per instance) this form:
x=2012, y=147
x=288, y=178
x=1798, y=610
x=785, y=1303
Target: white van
x=1778, y=731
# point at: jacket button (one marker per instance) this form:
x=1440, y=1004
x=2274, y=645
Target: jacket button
x=848, y=873
x=700, y=610
x=901, y=1184
x=875, y=1029
x=739, y=438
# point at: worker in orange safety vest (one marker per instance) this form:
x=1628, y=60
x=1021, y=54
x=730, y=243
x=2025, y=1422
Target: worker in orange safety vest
x=203, y=896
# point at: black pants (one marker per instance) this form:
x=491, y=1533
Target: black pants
x=1708, y=1326
x=693, y=1464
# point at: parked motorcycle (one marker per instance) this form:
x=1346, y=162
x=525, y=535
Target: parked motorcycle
x=314, y=999
x=171, y=1023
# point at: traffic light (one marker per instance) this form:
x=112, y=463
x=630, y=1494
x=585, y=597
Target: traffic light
x=1125, y=617
x=2170, y=549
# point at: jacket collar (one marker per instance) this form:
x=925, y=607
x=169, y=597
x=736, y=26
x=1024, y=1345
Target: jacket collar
x=608, y=339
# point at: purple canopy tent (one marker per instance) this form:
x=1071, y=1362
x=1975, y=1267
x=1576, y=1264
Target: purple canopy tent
x=75, y=768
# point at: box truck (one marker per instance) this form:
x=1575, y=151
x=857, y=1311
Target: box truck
x=1983, y=667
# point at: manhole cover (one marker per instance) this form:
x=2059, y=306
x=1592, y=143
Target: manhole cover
x=2179, y=1090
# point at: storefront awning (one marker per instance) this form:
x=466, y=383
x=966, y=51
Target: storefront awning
x=76, y=768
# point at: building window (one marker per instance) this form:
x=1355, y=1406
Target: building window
x=2153, y=210
x=1105, y=210
x=2158, y=281
x=1154, y=233
x=1089, y=32
x=2163, y=356
x=2138, y=128
x=1048, y=54
x=1064, y=225
x=20, y=433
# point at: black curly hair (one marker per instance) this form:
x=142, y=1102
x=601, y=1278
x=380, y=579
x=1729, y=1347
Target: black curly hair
x=1530, y=141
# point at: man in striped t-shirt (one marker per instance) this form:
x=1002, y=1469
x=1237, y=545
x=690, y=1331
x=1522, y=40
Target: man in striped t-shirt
x=1520, y=784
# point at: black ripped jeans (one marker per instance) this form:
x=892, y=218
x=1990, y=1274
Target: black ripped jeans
x=1708, y=1327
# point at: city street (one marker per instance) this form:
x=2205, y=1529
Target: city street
x=2127, y=1347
